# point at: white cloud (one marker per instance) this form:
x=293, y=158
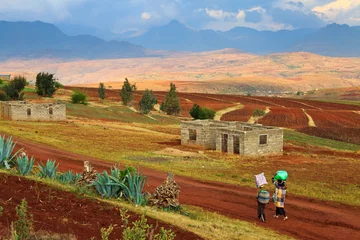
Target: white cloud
x=241, y=15
x=219, y=14
x=257, y=9
x=146, y=16
x=336, y=9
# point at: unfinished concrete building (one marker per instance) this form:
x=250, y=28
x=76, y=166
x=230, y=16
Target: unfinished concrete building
x=233, y=137
x=23, y=111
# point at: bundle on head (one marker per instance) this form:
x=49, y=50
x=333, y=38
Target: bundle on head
x=167, y=194
x=89, y=174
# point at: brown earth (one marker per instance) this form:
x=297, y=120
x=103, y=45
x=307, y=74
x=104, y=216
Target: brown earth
x=65, y=213
x=308, y=218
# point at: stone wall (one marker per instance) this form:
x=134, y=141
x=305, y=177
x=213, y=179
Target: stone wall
x=230, y=136
x=22, y=111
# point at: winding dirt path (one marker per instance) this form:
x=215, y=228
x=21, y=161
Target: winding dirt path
x=221, y=112
x=308, y=218
x=311, y=122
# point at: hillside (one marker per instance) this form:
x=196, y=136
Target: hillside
x=332, y=40
x=38, y=40
x=224, y=71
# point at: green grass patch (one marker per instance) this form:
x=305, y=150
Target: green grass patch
x=290, y=135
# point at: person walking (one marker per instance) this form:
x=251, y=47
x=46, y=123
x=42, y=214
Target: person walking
x=279, y=198
x=263, y=198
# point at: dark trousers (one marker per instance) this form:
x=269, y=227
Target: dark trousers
x=261, y=211
x=280, y=211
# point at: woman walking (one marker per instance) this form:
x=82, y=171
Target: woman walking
x=279, y=198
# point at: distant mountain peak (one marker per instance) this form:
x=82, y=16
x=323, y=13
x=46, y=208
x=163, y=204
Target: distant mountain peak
x=335, y=25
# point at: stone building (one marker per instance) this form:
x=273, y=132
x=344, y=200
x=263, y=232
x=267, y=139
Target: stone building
x=22, y=111
x=5, y=77
x=233, y=137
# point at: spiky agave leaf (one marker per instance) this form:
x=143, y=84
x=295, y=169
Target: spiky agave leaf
x=24, y=164
x=6, y=149
x=49, y=170
x=68, y=177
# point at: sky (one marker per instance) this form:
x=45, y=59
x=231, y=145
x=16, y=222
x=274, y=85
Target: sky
x=119, y=16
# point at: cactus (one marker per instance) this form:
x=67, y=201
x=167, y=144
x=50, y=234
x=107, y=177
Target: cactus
x=6, y=149
x=69, y=178
x=24, y=165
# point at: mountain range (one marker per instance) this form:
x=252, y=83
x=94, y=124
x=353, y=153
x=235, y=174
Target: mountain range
x=39, y=40
x=332, y=40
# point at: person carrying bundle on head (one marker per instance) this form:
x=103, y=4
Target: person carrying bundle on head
x=263, y=198
x=279, y=181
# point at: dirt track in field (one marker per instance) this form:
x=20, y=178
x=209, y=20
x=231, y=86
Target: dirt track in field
x=308, y=218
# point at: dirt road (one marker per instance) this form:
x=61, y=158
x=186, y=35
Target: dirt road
x=308, y=218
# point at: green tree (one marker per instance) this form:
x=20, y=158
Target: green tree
x=258, y=112
x=14, y=89
x=206, y=113
x=3, y=96
x=126, y=92
x=171, y=105
x=147, y=101
x=79, y=97
x=194, y=111
x=46, y=84
x=102, y=91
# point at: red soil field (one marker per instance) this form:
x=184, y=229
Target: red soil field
x=308, y=218
x=65, y=213
x=329, y=106
x=287, y=102
x=344, y=134
x=241, y=115
x=285, y=117
x=335, y=119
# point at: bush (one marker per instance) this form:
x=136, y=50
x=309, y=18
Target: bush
x=3, y=96
x=147, y=101
x=24, y=225
x=171, y=105
x=79, y=97
x=49, y=170
x=58, y=85
x=198, y=112
x=24, y=164
x=105, y=232
x=102, y=91
x=258, y=112
x=14, y=89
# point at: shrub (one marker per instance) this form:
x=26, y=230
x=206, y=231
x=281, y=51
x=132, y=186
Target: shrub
x=127, y=91
x=171, y=105
x=58, y=85
x=14, y=89
x=147, y=101
x=46, y=84
x=206, y=113
x=69, y=178
x=6, y=149
x=24, y=225
x=194, y=111
x=79, y=97
x=49, y=170
x=198, y=112
x=1, y=210
x=133, y=185
x=3, y=96
x=102, y=91
x=258, y=112
x=105, y=232
x=24, y=164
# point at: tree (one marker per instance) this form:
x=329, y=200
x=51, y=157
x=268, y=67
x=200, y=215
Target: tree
x=79, y=97
x=194, y=111
x=127, y=91
x=171, y=105
x=102, y=91
x=46, y=84
x=14, y=88
x=3, y=96
x=258, y=112
x=147, y=101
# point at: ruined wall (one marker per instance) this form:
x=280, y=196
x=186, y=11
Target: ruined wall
x=203, y=134
x=22, y=111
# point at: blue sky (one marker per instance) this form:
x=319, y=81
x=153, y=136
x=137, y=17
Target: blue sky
x=139, y=15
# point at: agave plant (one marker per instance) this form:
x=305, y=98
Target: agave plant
x=132, y=186
x=6, y=149
x=69, y=178
x=108, y=186
x=48, y=170
x=24, y=165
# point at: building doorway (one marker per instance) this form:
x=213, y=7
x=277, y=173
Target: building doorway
x=224, y=142
x=236, y=141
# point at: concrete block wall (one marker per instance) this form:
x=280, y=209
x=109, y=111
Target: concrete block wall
x=21, y=111
x=274, y=143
